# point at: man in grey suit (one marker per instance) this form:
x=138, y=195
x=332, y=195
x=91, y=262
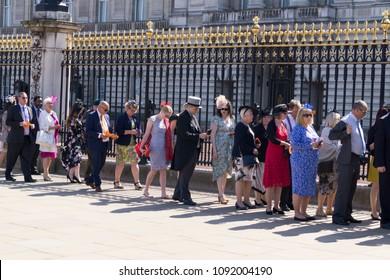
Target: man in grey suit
x=350, y=132
x=382, y=164
x=21, y=139
x=187, y=149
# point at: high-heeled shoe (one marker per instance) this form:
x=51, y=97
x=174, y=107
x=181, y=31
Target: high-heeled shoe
x=250, y=206
x=258, y=204
x=47, y=179
x=375, y=218
x=268, y=212
x=222, y=200
x=276, y=211
x=238, y=207
x=70, y=180
x=77, y=180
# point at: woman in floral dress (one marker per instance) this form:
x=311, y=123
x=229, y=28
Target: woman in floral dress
x=71, y=152
x=222, y=132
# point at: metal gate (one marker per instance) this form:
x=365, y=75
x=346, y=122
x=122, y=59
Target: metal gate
x=327, y=66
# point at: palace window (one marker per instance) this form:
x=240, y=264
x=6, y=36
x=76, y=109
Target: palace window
x=7, y=12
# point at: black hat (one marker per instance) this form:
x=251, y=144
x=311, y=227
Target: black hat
x=246, y=108
x=281, y=108
x=265, y=112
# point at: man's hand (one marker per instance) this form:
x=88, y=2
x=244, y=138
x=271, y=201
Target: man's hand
x=203, y=135
x=381, y=169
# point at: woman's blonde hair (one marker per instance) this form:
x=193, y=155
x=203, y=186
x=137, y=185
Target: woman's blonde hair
x=131, y=104
x=166, y=109
x=301, y=112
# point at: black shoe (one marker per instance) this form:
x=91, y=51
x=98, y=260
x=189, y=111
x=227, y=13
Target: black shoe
x=35, y=172
x=290, y=205
x=177, y=199
x=285, y=208
x=263, y=201
x=301, y=219
x=77, y=180
x=341, y=222
x=30, y=180
x=97, y=188
x=258, y=204
x=249, y=206
x=189, y=202
x=310, y=218
x=70, y=180
x=375, y=218
x=238, y=207
x=10, y=178
x=92, y=185
x=353, y=220
x=268, y=212
x=276, y=211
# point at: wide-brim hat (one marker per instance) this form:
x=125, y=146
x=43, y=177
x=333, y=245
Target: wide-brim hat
x=194, y=101
x=281, y=108
x=246, y=108
x=266, y=112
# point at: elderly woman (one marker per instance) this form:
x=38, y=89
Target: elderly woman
x=161, y=148
x=244, y=148
x=277, y=168
x=48, y=122
x=71, y=152
x=127, y=128
x=261, y=137
x=222, y=131
x=327, y=158
x=304, y=159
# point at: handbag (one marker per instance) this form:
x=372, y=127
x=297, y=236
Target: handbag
x=249, y=160
x=139, y=153
x=44, y=138
x=325, y=167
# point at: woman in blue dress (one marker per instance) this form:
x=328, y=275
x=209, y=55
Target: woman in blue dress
x=304, y=159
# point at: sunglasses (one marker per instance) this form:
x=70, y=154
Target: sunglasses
x=364, y=112
x=308, y=115
x=23, y=97
x=224, y=109
x=105, y=109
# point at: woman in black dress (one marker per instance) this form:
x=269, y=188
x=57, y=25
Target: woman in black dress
x=71, y=151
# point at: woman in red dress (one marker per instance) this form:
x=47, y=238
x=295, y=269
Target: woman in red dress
x=276, y=170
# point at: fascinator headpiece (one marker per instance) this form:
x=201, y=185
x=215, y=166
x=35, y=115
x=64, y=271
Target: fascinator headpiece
x=221, y=102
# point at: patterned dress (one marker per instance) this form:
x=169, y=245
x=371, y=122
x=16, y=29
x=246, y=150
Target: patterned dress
x=304, y=161
x=71, y=151
x=224, y=144
x=157, y=144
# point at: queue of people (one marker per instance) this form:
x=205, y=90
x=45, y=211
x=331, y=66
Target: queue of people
x=281, y=152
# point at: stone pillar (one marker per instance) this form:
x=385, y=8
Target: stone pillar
x=48, y=33
x=256, y=4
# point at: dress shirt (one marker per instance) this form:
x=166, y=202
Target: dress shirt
x=357, y=136
x=26, y=118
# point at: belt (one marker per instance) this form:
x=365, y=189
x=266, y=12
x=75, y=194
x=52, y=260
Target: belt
x=353, y=154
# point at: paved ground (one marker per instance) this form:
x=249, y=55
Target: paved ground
x=57, y=220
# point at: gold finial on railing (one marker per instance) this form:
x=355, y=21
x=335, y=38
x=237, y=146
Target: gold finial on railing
x=374, y=31
x=347, y=31
x=182, y=36
x=217, y=36
x=169, y=37
x=232, y=34
x=271, y=34
x=175, y=37
x=239, y=35
x=338, y=32
x=295, y=33
x=287, y=34
x=203, y=36
x=224, y=35
x=385, y=24
x=280, y=33
x=149, y=32
x=321, y=33
x=304, y=31
x=196, y=36
x=366, y=29
x=329, y=32
x=247, y=34
x=357, y=31
x=162, y=37
x=255, y=28
x=312, y=33
x=263, y=34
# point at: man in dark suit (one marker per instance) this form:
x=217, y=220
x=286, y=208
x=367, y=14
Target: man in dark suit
x=187, y=149
x=97, y=124
x=21, y=138
x=36, y=109
x=382, y=164
x=350, y=132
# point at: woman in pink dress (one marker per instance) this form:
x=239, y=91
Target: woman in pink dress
x=277, y=168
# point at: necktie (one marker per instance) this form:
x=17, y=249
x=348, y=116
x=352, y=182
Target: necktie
x=103, y=123
x=26, y=119
x=361, y=137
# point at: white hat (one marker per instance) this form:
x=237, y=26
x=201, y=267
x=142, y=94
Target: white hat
x=194, y=101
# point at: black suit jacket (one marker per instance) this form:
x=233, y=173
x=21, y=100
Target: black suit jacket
x=339, y=132
x=382, y=143
x=36, y=123
x=14, y=118
x=187, y=139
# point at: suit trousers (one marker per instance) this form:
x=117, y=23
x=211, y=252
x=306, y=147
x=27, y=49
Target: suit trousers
x=25, y=151
x=384, y=196
x=98, y=159
x=185, y=174
x=348, y=176
x=34, y=160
